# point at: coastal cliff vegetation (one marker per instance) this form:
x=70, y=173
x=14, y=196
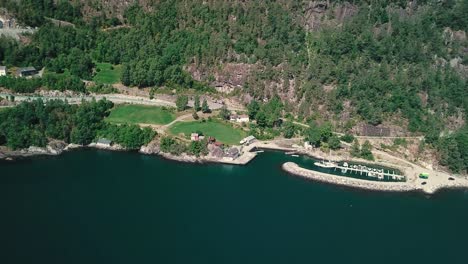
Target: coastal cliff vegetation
x=398, y=62
x=35, y=124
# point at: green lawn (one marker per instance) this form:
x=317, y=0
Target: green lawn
x=108, y=73
x=221, y=131
x=135, y=114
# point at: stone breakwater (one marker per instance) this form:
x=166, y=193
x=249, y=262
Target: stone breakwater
x=293, y=168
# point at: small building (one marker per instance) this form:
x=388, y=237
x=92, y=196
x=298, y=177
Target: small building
x=27, y=71
x=216, y=151
x=104, y=142
x=247, y=140
x=232, y=153
x=243, y=119
x=194, y=137
x=3, y=70
x=233, y=118
x=239, y=118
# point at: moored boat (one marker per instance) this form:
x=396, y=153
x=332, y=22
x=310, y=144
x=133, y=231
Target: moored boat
x=325, y=164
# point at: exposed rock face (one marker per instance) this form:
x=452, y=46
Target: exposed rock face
x=109, y=8
x=229, y=77
x=456, y=63
x=54, y=147
x=319, y=13
x=151, y=148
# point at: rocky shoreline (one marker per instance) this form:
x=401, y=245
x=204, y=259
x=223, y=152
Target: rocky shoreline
x=413, y=184
x=58, y=147
x=54, y=148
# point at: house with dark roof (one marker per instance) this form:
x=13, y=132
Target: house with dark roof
x=26, y=71
x=232, y=153
x=104, y=142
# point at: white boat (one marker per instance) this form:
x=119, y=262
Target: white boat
x=325, y=164
x=294, y=155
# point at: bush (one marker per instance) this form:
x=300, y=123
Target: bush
x=347, y=138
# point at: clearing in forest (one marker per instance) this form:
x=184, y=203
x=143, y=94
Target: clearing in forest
x=107, y=73
x=223, y=132
x=141, y=114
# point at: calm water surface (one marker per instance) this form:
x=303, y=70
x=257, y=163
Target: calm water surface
x=106, y=207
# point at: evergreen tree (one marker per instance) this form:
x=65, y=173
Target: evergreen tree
x=314, y=134
x=261, y=119
x=181, y=102
x=334, y=142
x=126, y=77
x=253, y=107
x=205, y=107
x=355, y=149
x=195, y=116
x=224, y=113
x=366, y=151
x=196, y=103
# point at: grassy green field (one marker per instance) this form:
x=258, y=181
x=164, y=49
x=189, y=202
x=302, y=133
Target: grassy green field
x=134, y=114
x=221, y=131
x=108, y=73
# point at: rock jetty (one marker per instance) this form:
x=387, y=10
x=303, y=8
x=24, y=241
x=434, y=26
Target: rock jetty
x=293, y=168
x=428, y=187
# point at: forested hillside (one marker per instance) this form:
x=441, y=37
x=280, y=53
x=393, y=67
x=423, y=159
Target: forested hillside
x=403, y=63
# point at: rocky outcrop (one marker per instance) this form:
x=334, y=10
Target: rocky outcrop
x=151, y=148
x=109, y=8
x=321, y=13
x=106, y=147
x=54, y=147
x=225, y=79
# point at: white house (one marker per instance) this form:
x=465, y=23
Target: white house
x=194, y=137
x=3, y=70
x=239, y=118
x=243, y=118
x=247, y=140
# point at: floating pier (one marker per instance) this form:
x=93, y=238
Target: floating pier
x=363, y=170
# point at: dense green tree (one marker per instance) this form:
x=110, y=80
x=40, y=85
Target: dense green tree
x=261, y=118
x=126, y=75
x=34, y=123
x=224, y=113
x=348, y=138
x=195, y=116
x=289, y=130
x=181, y=102
x=198, y=148
x=196, y=103
x=128, y=136
x=334, y=142
x=366, y=151
x=205, y=107
x=356, y=149
x=253, y=107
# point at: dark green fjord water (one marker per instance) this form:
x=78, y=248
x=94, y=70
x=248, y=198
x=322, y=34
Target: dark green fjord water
x=106, y=207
